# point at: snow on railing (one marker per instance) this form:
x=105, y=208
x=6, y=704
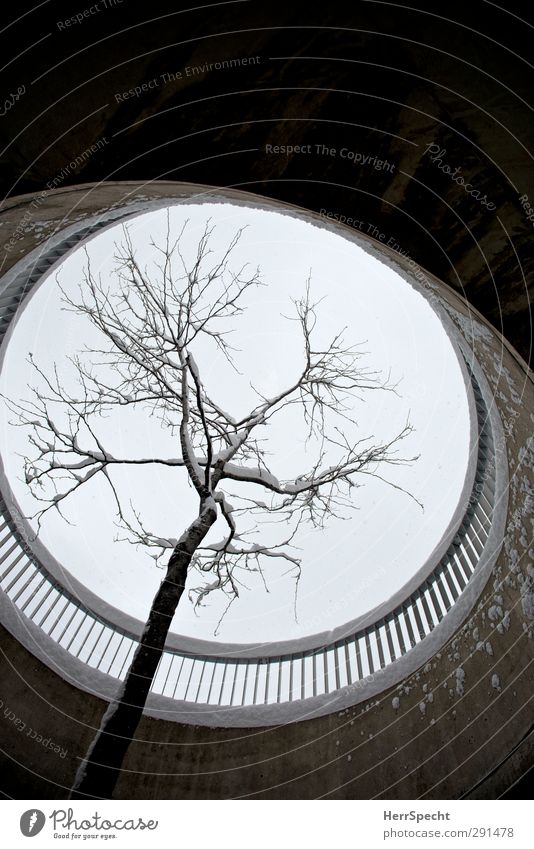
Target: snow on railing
x=245, y=681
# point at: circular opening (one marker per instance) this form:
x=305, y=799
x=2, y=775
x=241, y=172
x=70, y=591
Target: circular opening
x=372, y=537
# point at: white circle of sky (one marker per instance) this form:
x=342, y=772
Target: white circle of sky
x=354, y=562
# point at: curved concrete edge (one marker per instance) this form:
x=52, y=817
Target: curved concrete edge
x=106, y=687
x=161, y=707
x=132, y=626
x=54, y=656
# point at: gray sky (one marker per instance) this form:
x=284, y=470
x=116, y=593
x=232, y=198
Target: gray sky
x=350, y=566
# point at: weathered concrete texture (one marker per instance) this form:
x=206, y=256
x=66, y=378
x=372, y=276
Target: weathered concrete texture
x=41, y=702
x=446, y=731
x=383, y=82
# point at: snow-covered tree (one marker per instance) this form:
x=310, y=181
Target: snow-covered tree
x=150, y=324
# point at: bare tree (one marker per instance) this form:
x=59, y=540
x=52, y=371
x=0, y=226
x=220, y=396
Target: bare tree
x=149, y=325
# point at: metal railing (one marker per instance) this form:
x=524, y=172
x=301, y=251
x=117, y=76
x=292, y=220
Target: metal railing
x=244, y=681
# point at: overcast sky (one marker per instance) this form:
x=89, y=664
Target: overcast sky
x=350, y=566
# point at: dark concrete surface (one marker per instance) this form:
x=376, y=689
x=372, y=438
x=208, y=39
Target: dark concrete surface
x=376, y=78
x=453, y=734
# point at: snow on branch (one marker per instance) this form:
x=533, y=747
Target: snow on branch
x=146, y=324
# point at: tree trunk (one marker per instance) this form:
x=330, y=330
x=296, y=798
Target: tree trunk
x=99, y=771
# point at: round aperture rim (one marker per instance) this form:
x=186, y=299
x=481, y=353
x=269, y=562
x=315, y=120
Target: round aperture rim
x=71, y=239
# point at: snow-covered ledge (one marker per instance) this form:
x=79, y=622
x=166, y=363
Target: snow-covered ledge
x=259, y=714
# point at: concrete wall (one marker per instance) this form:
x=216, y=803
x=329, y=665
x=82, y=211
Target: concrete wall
x=379, y=81
x=460, y=724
